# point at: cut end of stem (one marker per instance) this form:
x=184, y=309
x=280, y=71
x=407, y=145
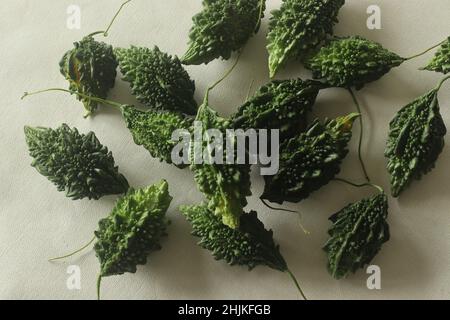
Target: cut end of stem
x=294, y=279
x=99, y=284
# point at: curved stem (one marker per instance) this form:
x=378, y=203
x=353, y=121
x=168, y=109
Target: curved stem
x=426, y=51
x=442, y=82
x=296, y=283
x=305, y=231
x=99, y=100
x=74, y=253
x=222, y=79
x=261, y=12
x=361, y=135
x=362, y=185
x=99, y=284
x=105, y=33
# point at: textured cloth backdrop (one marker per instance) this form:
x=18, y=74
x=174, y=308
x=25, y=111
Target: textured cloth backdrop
x=37, y=223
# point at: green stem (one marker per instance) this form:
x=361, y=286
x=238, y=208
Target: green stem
x=99, y=283
x=277, y=209
x=296, y=283
x=221, y=79
x=380, y=189
x=99, y=100
x=361, y=135
x=442, y=82
x=426, y=51
x=105, y=33
x=74, y=253
x=261, y=12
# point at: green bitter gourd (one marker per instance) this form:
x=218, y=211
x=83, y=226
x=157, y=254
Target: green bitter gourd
x=222, y=27
x=298, y=27
x=441, y=61
x=157, y=79
x=76, y=163
x=310, y=160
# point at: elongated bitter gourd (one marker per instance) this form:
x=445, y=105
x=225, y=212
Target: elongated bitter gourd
x=416, y=139
x=358, y=232
x=77, y=164
x=250, y=245
x=226, y=186
x=153, y=130
x=157, y=79
x=222, y=27
x=133, y=230
x=441, y=61
x=298, y=27
x=310, y=160
x=282, y=105
x=352, y=62
x=90, y=67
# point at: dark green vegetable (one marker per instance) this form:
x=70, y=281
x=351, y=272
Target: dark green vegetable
x=76, y=163
x=352, y=62
x=416, y=139
x=133, y=230
x=226, y=186
x=358, y=232
x=310, y=160
x=153, y=130
x=298, y=27
x=222, y=27
x=157, y=79
x=441, y=61
x=282, y=105
x=251, y=245
x=90, y=67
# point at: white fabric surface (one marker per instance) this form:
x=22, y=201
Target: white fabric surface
x=37, y=223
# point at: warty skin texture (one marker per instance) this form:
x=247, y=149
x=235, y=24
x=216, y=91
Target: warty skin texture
x=298, y=27
x=250, y=245
x=415, y=142
x=157, y=79
x=226, y=186
x=441, y=60
x=352, y=62
x=133, y=229
x=77, y=164
x=222, y=27
x=90, y=67
x=281, y=104
x=153, y=130
x=310, y=161
x=358, y=232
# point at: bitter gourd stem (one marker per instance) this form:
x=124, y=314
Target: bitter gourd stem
x=99, y=100
x=441, y=83
x=360, y=185
x=290, y=211
x=74, y=253
x=105, y=33
x=361, y=135
x=206, y=100
x=99, y=283
x=261, y=12
x=426, y=51
x=296, y=283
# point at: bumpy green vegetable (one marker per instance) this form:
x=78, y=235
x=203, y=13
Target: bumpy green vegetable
x=298, y=27
x=310, y=161
x=282, y=105
x=250, y=245
x=222, y=27
x=358, y=232
x=157, y=79
x=416, y=139
x=352, y=62
x=91, y=69
x=441, y=61
x=133, y=230
x=76, y=163
x=153, y=130
x=226, y=186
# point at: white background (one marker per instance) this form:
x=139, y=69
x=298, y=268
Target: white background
x=37, y=223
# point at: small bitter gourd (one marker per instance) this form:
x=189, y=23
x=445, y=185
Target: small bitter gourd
x=441, y=60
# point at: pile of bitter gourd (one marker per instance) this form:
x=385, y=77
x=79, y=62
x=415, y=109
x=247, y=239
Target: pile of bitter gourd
x=311, y=150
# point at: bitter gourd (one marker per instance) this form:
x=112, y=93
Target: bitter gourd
x=441, y=61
